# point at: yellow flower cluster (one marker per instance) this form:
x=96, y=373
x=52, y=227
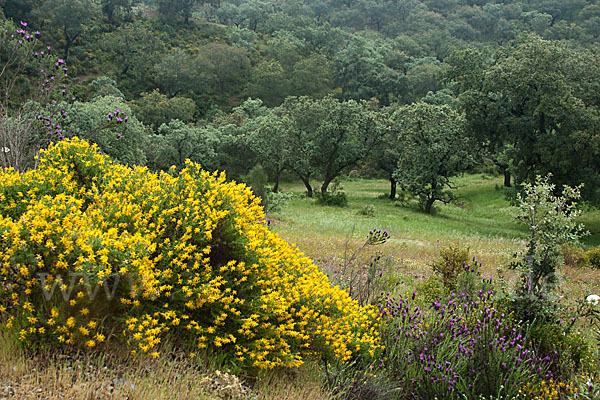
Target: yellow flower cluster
x=550, y=390
x=85, y=240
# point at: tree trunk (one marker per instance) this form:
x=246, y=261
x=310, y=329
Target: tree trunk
x=276, y=186
x=504, y=168
x=429, y=204
x=325, y=185
x=309, y=190
x=109, y=15
x=392, y=188
x=506, y=178
x=68, y=42
x=67, y=47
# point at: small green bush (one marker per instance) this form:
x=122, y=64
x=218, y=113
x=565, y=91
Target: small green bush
x=338, y=199
x=335, y=197
x=257, y=179
x=568, y=351
x=430, y=289
x=450, y=263
x=275, y=200
x=368, y=211
x=593, y=256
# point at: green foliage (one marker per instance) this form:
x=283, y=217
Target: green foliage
x=222, y=67
x=267, y=138
x=430, y=289
x=172, y=9
x=155, y=109
x=257, y=180
x=327, y=137
x=175, y=74
x=114, y=8
x=363, y=71
x=125, y=142
x=275, y=200
x=433, y=150
x=450, y=263
x=335, y=197
x=570, y=351
x=132, y=51
x=177, y=142
x=70, y=18
x=551, y=221
x=368, y=210
x=105, y=86
x=533, y=103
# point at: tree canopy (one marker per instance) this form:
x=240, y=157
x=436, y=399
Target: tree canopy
x=433, y=151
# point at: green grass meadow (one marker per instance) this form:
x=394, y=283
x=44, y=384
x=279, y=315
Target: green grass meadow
x=481, y=218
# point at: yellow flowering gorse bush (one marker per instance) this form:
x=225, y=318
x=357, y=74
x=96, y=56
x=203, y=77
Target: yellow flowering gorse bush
x=87, y=244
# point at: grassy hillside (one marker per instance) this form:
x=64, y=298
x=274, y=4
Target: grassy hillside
x=481, y=219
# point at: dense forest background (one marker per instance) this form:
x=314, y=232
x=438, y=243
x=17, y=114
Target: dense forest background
x=317, y=88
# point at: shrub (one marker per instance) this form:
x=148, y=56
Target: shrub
x=594, y=257
x=552, y=222
x=450, y=263
x=430, y=289
x=574, y=256
x=338, y=199
x=91, y=247
x=464, y=347
x=568, y=351
x=276, y=199
x=368, y=211
x=335, y=197
x=257, y=180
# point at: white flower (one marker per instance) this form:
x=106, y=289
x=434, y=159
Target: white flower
x=593, y=299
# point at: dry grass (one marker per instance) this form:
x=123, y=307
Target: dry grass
x=106, y=375
x=303, y=384
x=112, y=374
